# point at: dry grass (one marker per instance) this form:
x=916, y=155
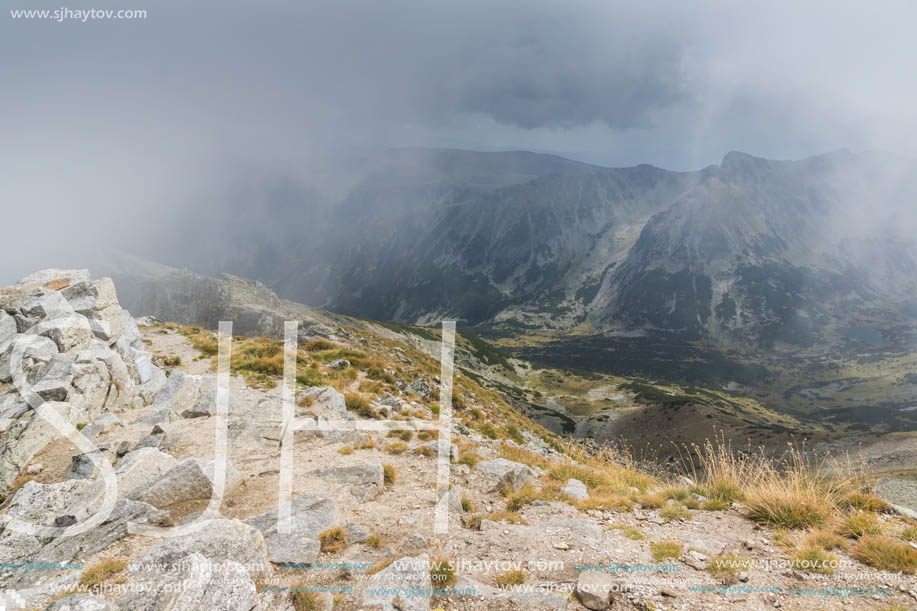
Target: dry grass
x=345, y=450
x=629, y=531
x=390, y=474
x=510, y=578
x=442, y=572
x=374, y=541
x=728, y=567
x=304, y=600
x=521, y=455
x=859, y=524
x=397, y=447
x=825, y=539
x=674, y=512
x=403, y=435
x=510, y=517
x=665, y=549
x=865, y=501
x=814, y=559
x=606, y=502
x=101, y=572
x=886, y=554
x=651, y=501
x=332, y=540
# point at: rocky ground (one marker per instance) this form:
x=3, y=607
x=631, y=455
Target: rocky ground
x=157, y=426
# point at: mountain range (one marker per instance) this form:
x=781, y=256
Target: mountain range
x=753, y=252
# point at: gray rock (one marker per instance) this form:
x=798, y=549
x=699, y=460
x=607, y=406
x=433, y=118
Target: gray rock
x=153, y=440
x=102, y=424
x=180, y=393
x=414, y=571
x=536, y=599
x=7, y=326
x=206, y=405
x=575, y=489
x=507, y=473
x=73, y=333
x=27, y=436
x=596, y=589
x=140, y=470
x=91, y=295
x=220, y=540
x=339, y=364
x=81, y=466
x=196, y=582
x=355, y=533
x=365, y=481
x=421, y=388
x=327, y=396
x=188, y=480
x=82, y=602
x=453, y=499
x=709, y=546
x=311, y=514
x=413, y=544
x=46, y=276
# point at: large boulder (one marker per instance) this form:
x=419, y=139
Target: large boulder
x=206, y=405
x=190, y=479
x=378, y=591
x=180, y=393
x=26, y=437
x=596, y=589
x=311, y=514
x=98, y=302
x=193, y=583
x=366, y=481
x=325, y=396
x=219, y=540
x=140, y=470
x=506, y=473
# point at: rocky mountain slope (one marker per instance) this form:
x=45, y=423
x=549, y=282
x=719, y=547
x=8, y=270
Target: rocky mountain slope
x=533, y=522
x=752, y=251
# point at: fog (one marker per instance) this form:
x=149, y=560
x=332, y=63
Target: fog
x=112, y=132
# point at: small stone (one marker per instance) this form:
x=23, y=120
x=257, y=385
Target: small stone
x=560, y=545
x=35, y=469
x=668, y=592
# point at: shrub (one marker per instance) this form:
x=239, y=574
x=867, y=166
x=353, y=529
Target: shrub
x=424, y=451
x=427, y=435
x=403, y=435
x=389, y=474
x=442, y=572
x=510, y=578
x=865, y=501
x=825, y=539
x=629, y=531
x=665, y=549
x=397, y=447
x=469, y=457
x=332, y=540
x=304, y=600
x=674, y=512
x=319, y=345
x=101, y=572
x=886, y=554
x=356, y=403
x=374, y=541
x=814, y=559
x=345, y=450
x=513, y=433
x=726, y=567
x=606, y=501
x=467, y=507
x=676, y=494
x=651, y=501
x=859, y=524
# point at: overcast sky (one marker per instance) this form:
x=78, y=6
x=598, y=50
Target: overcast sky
x=108, y=118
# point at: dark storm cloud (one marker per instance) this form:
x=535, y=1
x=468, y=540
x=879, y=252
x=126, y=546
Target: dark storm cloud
x=110, y=124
